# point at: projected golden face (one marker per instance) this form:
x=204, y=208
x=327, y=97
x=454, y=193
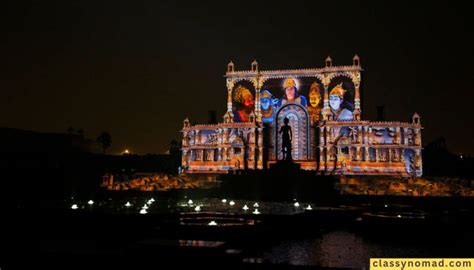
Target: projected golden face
x=314, y=97
x=314, y=107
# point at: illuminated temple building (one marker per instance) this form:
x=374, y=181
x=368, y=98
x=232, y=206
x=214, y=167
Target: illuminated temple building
x=323, y=108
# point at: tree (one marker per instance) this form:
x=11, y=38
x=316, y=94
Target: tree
x=105, y=140
x=70, y=130
x=80, y=132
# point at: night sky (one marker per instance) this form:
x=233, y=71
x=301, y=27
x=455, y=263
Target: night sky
x=137, y=68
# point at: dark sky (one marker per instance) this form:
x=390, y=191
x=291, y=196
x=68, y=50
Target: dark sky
x=137, y=68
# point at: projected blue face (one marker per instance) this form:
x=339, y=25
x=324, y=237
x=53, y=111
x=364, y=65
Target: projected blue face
x=335, y=102
x=265, y=103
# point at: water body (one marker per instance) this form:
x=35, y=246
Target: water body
x=343, y=248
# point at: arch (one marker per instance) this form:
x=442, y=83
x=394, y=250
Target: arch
x=340, y=74
x=300, y=128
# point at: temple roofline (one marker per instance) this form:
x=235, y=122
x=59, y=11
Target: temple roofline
x=292, y=72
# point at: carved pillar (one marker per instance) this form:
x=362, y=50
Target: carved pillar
x=184, y=158
x=224, y=154
x=251, y=153
x=183, y=141
x=418, y=163
x=376, y=155
x=389, y=155
x=225, y=136
x=197, y=138
x=357, y=109
x=358, y=156
x=405, y=136
x=326, y=109
x=359, y=135
x=328, y=154
x=258, y=110
x=417, y=136
x=219, y=136
x=230, y=86
x=322, y=134
x=366, y=154
x=369, y=135
x=398, y=137
x=330, y=131
x=366, y=135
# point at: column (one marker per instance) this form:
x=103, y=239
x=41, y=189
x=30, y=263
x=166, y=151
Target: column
x=326, y=109
x=230, y=86
x=321, y=154
x=197, y=138
x=405, y=137
x=417, y=136
x=366, y=136
x=183, y=141
x=398, y=136
x=322, y=135
x=184, y=158
x=359, y=135
x=376, y=155
x=328, y=154
x=389, y=155
x=369, y=135
x=225, y=138
x=258, y=109
x=357, y=110
x=418, y=163
x=366, y=154
x=260, y=148
x=329, y=135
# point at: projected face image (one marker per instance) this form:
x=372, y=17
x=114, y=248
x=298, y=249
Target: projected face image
x=248, y=101
x=290, y=93
x=314, y=98
x=265, y=103
x=244, y=103
x=335, y=102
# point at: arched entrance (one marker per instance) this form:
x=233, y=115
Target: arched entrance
x=299, y=122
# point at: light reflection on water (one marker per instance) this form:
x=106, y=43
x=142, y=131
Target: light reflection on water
x=349, y=250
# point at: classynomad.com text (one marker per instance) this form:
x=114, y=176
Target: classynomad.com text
x=421, y=264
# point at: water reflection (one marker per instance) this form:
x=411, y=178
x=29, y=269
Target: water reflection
x=346, y=249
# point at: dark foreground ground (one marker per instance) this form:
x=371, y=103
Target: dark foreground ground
x=338, y=232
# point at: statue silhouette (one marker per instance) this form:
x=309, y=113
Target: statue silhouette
x=286, y=138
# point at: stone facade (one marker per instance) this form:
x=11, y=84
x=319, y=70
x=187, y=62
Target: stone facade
x=327, y=130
